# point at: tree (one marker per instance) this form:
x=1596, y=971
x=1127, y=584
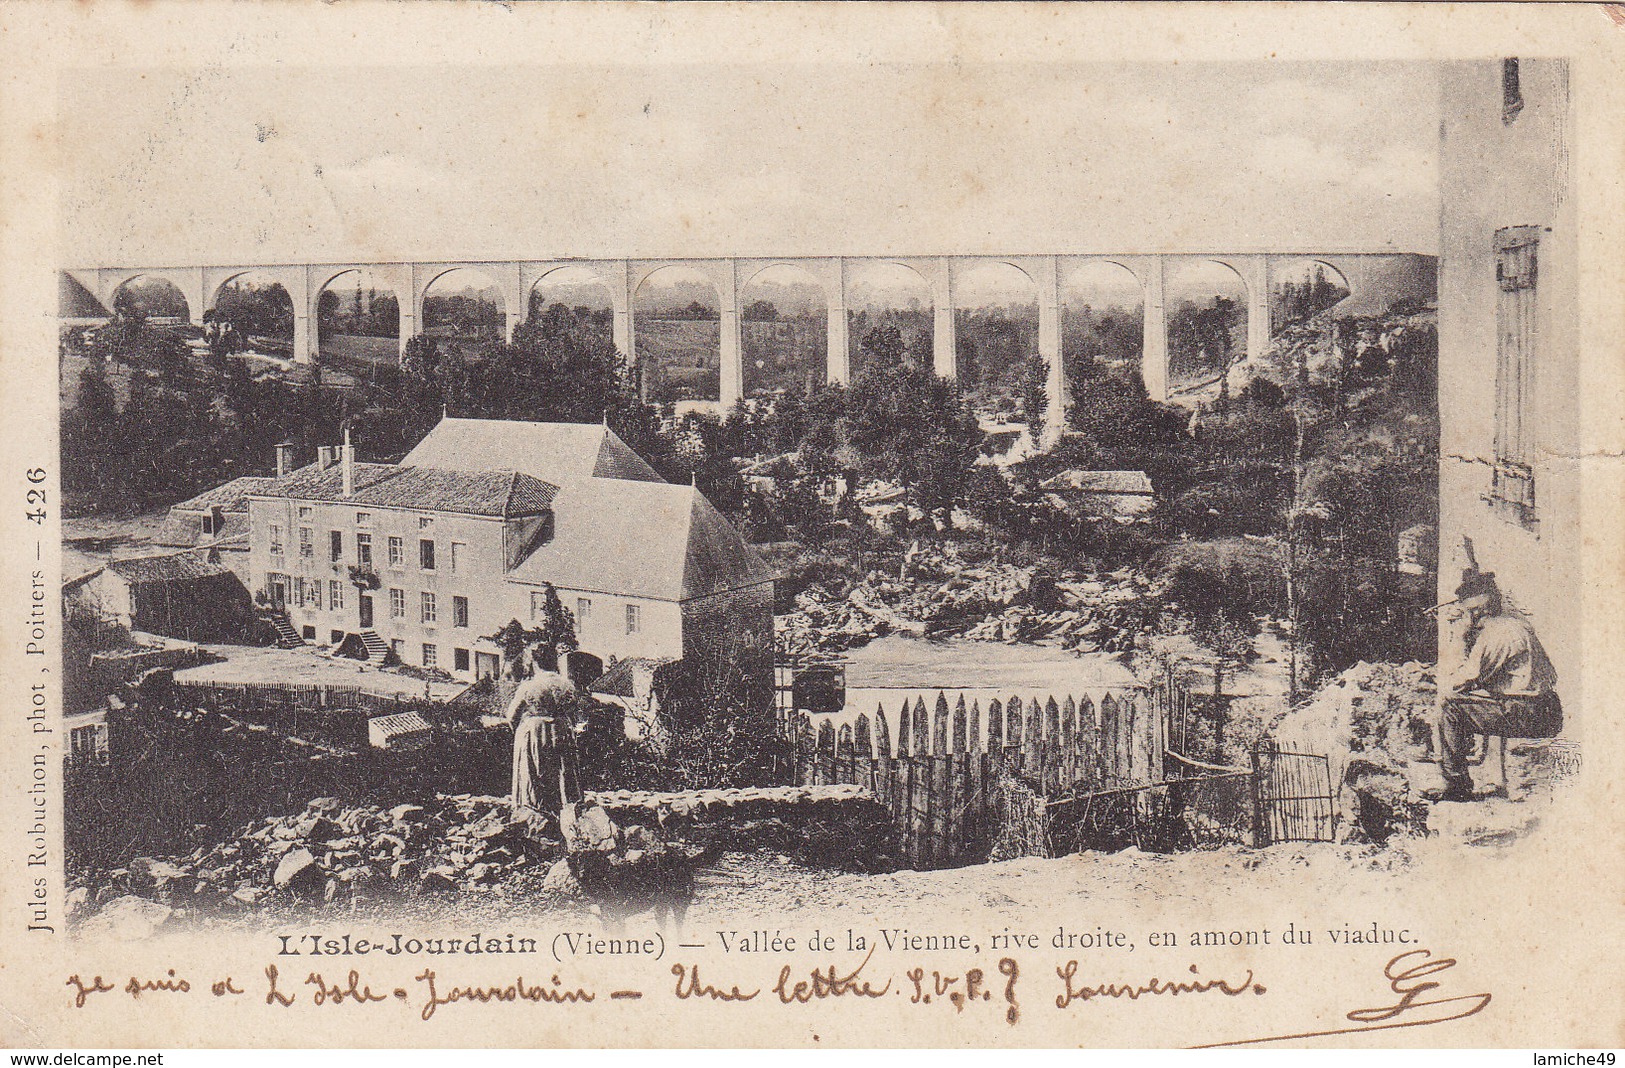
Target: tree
x=910, y=427
x=885, y=344
x=556, y=627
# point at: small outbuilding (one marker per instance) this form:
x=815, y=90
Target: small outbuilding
x=400, y=731
x=1107, y=493
x=182, y=595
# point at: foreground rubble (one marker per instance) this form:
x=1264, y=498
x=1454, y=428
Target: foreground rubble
x=1374, y=723
x=332, y=853
x=943, y=597
x=442, y=852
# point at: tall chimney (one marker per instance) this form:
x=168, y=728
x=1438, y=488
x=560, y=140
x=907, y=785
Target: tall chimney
x=324, y=457
x=284, y=458
x=348, y=459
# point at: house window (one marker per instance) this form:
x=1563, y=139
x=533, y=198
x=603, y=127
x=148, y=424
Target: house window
x=276, y=539
x=459, y=659
x=426, y=554
x=335, y=540
x=307, y=542
x=396, y=646
x=207, y=523
x=397, y=604
x=430, y=655
x=89, y=745
x=299, y=592
x=633, y=619
x=459, y=611
x=363, y=550
x=309, y=634
x=335, y=594
x=363, y=519
x=334, y=637
x=583, y=611
x=459, y=555
x=306, y=511
x=538, y=605
x=425, y=523
x=1511, y=90
x=427, y=607
x=1512, y=485
x=316, y=594
x=397, y=552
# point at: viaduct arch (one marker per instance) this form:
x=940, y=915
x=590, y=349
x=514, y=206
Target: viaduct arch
x=622, y=277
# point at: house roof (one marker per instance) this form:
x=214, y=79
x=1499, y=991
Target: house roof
x=399, y=723
x=1126, y=482
x=502, y=493
x=557, y=453
x=176, y=567
x=621, y=680
x=185, y=529
x=228, y=496
x=642, y=539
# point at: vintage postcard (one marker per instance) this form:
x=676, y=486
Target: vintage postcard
x=811, y=525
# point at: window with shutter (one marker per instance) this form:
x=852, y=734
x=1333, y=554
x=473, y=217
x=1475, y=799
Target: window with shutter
x=1512, y=485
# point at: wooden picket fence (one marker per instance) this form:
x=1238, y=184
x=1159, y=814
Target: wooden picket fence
x=300, y=696
x=954, y=789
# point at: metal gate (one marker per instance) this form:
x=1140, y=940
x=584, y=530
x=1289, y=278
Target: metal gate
x=1292, y=799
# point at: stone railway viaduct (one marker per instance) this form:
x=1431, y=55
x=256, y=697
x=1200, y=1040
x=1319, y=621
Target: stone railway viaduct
x=304, y=283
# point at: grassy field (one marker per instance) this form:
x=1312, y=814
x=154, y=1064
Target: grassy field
x=681, y=358
x=356, y=347
x=789, y=351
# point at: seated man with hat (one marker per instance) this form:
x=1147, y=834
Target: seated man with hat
x=1506, y=686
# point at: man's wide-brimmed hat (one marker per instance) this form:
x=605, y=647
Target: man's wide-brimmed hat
x=1476, y=584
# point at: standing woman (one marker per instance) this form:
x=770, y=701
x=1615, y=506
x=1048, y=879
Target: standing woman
x=541, y=716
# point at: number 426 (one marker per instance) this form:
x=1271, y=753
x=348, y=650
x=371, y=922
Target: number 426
x=36, y=496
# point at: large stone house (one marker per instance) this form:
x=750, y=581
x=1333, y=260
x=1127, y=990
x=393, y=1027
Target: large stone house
x=1511, y=349
x=432, y=555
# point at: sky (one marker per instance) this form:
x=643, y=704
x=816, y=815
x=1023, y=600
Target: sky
x=280, y=164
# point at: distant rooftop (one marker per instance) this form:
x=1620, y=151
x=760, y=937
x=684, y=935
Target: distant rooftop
x=228, y=496
x=503, y=494
x=1115, y=482
x=642, y=539
x=557, y=453
x=177, y=567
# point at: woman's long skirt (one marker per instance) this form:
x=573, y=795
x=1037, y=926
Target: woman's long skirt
x=537, y=757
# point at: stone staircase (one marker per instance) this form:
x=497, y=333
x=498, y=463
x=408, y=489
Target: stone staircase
x=286, y=636
x=377, y=648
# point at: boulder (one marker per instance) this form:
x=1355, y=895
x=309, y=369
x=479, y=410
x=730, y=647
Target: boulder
x=587, y=828
x=405, y=813
x=360, y=879
x=157, y=872
x=560, y=879
x=319, y=829
x=129, y=918
x=325, y=806
x=438, y=881
x=1377, y=804
x=298, y=873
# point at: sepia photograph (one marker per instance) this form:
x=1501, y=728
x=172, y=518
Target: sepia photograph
x=1040, y=532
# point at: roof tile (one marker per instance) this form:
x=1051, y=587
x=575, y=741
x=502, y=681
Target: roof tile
x=492, y=493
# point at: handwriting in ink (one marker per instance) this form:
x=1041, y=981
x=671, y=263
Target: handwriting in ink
x=1154, y=988
x=95, y=986
x=689, y=986
x=1409, y=982
x=826, y=984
